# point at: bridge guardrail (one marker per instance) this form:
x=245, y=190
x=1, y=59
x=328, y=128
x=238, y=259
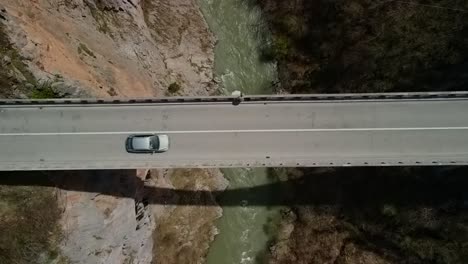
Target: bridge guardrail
x=247, y=98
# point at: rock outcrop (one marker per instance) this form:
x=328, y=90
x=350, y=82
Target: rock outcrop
x=115, y=48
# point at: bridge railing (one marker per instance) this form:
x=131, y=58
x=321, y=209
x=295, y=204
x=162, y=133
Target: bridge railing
x=246, y=98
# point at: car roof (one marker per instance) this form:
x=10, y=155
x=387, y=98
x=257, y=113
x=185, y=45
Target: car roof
x=142, y=142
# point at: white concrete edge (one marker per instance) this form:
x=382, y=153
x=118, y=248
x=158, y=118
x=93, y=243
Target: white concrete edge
x=237, y=131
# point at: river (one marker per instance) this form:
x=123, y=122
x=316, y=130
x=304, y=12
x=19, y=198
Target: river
x=243, y=230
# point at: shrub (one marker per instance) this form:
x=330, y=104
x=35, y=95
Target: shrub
x=279, y=49
x=44, y=90
x=173, y=88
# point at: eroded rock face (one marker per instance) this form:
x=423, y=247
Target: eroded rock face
x=128, y=216
x=113, y=5
x=105, y=219
x=122, y=48
x=115, y=47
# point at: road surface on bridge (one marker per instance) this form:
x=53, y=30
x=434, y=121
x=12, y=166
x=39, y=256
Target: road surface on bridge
x=255, y=134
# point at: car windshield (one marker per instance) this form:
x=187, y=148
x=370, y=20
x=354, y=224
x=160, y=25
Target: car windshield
x=155, y=143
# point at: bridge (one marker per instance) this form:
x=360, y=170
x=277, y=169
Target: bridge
x=403, y=129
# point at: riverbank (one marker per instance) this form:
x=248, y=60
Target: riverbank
x=370, y=215
x=113, y=48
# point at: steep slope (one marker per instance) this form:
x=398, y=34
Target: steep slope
x=122, y=48
x=107, y=48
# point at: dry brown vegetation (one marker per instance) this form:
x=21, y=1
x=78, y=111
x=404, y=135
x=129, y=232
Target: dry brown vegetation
x=388, y=215
x=369, y=46
x=29, y=225
x=377, y=215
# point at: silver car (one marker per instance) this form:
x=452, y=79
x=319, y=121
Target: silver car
x=147, y=143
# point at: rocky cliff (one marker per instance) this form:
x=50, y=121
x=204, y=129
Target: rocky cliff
x=121, y=48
